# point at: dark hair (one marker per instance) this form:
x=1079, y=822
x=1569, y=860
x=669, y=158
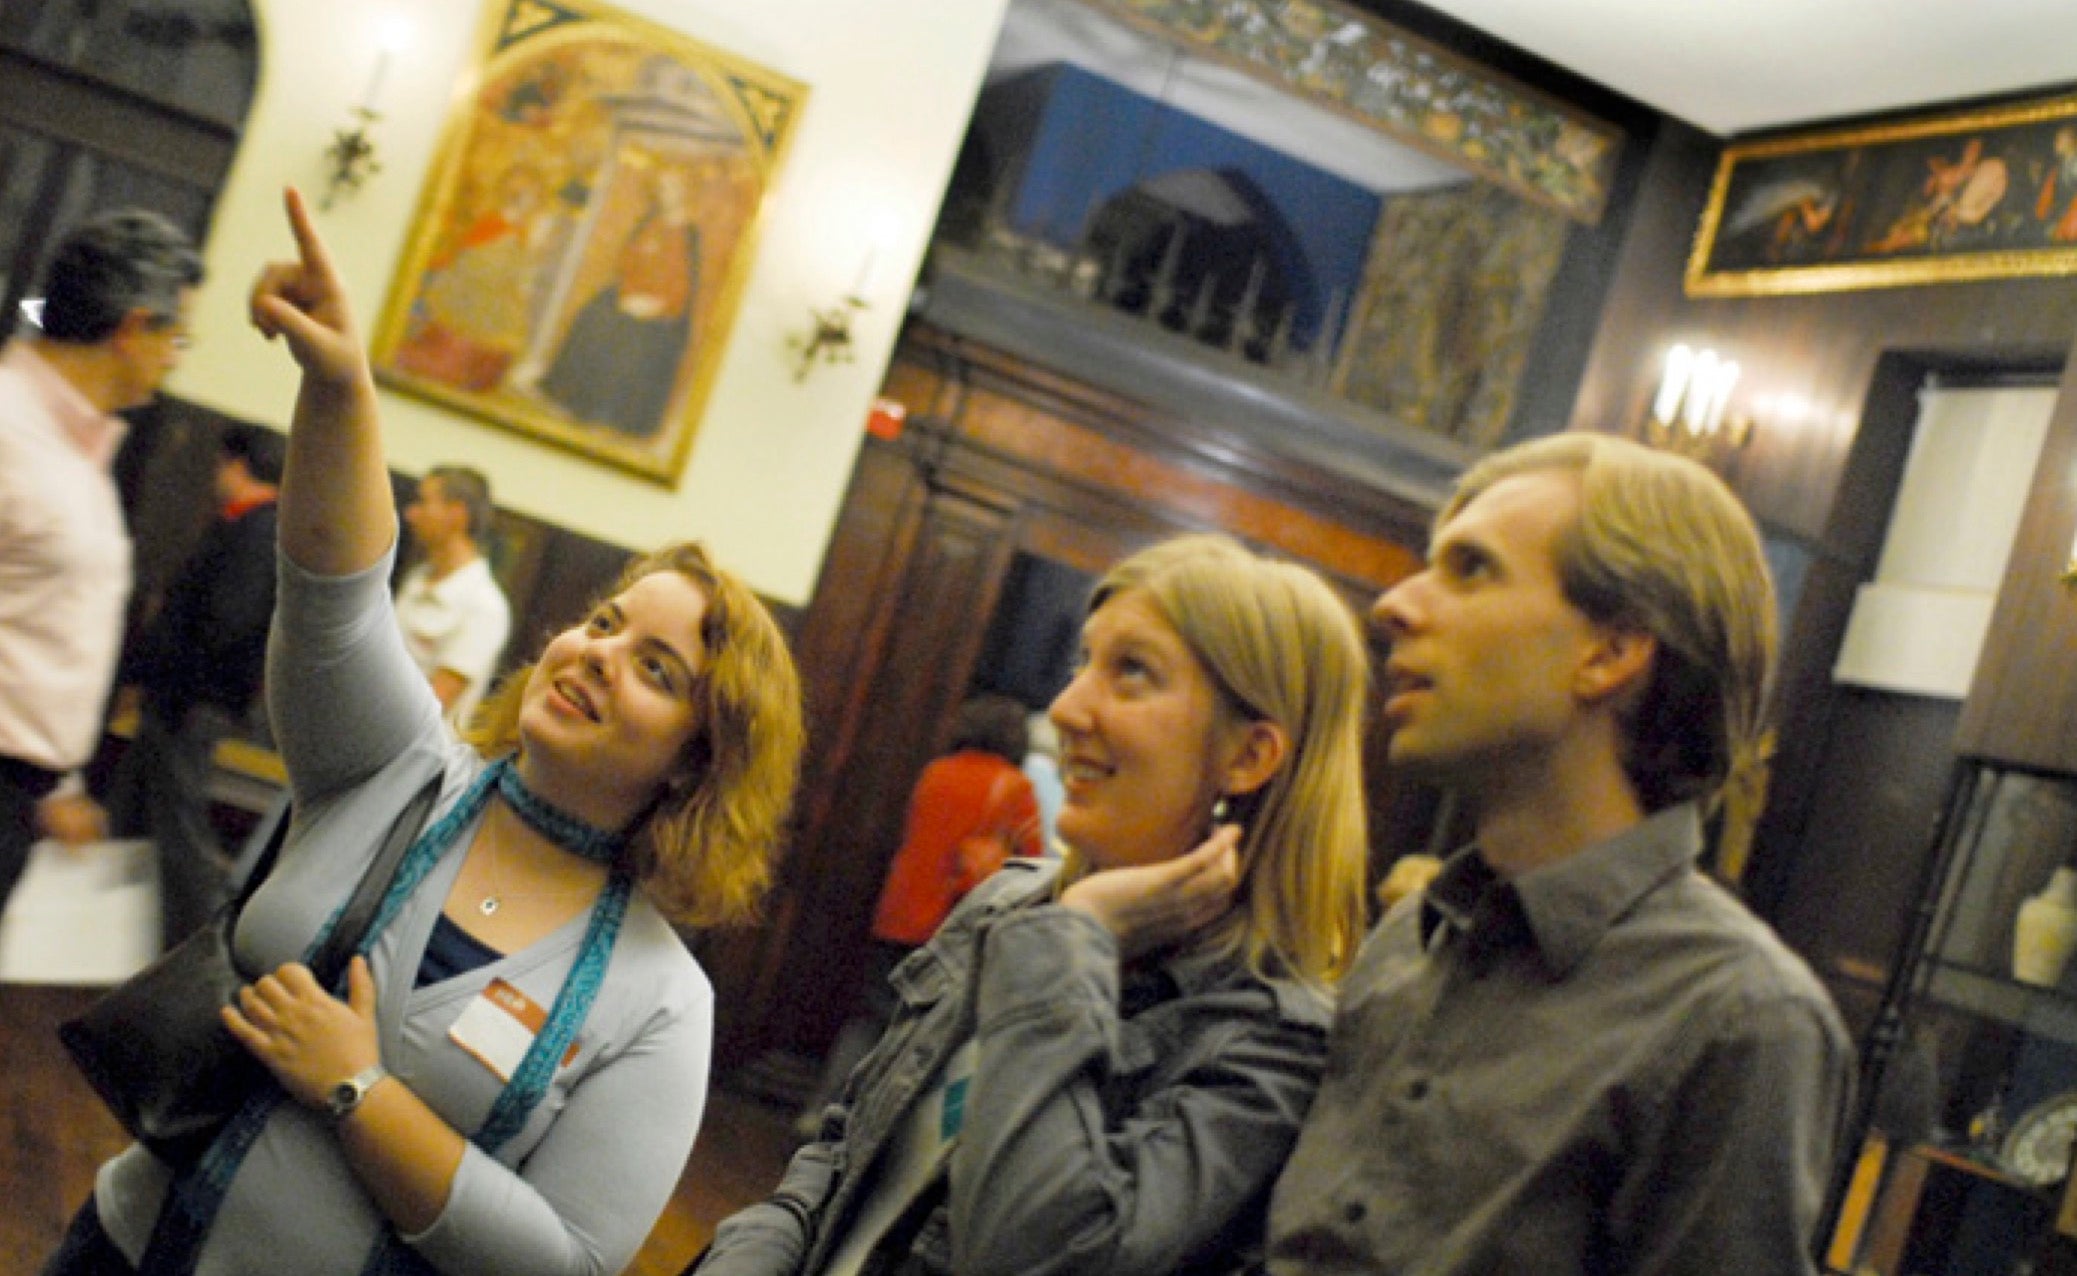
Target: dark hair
x=111, y=265
x=993, y=724
x=264, y=451
x=467, y=484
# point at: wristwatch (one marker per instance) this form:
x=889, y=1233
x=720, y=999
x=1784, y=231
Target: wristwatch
x=347, y=1095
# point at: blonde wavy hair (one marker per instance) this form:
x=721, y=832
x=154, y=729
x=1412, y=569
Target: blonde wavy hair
x=1280, y=646
x=705, y=853
x=1664, y=547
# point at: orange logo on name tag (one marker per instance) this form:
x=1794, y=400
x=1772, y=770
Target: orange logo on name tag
x=498, y=1028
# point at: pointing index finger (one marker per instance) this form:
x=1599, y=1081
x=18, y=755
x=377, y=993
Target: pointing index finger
x=309, y=245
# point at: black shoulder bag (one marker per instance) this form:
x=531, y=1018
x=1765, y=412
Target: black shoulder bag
x=154, y=1047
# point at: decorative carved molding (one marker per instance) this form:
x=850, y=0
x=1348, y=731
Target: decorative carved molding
x=1359, y=66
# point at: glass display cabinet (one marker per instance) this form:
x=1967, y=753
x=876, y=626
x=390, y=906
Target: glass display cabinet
x=1964, y=1134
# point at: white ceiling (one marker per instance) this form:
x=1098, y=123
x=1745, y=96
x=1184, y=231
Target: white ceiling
x=1736, y=66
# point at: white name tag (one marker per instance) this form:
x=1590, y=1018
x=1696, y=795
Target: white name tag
x=498, y=1028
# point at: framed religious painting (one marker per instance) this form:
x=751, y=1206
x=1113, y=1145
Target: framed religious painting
x=583, y=240
x=1983, y=194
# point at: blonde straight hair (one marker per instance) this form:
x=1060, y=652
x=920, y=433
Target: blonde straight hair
x=1664, y=547
x=704, y=854
x=1281, y=646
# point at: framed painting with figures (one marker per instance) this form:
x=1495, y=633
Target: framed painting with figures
x=583, y=239
x=1976, y=195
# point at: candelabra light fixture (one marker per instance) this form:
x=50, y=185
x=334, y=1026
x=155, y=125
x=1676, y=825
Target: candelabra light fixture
x=1690, y=413
x=351, y=159
x=828, y=336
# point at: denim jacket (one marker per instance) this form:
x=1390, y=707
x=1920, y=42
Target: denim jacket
x=1124, y=1122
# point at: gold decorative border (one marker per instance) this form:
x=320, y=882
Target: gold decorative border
x=1864, y=270
x=1451, y=107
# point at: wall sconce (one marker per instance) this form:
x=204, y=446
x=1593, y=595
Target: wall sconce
x=828, y=337
x=1690, y=413
x=351, y=157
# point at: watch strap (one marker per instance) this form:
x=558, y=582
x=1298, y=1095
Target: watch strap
x=348, y=1094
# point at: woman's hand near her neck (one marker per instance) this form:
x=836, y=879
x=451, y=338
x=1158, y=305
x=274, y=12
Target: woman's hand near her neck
x=1156, y=906
x=337, y=512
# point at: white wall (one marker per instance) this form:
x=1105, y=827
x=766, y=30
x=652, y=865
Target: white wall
x=1919, y=626
x=891, y=84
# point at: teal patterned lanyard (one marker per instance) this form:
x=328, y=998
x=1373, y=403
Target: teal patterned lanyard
x=198, y=1192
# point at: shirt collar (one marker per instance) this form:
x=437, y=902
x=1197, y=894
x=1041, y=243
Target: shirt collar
x=95, y=433
x=1561, y=910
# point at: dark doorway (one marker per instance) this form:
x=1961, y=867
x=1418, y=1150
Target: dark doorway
x=1029, y=653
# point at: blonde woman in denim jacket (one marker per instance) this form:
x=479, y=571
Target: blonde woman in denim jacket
x=1099, y=1066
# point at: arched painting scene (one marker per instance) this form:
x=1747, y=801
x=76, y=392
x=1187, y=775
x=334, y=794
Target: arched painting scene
x=585, y=235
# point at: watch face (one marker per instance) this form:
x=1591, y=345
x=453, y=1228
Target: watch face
x=2037, y=1150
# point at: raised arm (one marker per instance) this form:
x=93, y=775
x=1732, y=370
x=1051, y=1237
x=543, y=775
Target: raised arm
x=337, y=513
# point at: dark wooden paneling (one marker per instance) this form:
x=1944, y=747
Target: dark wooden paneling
x=1806, y=698
x=840, y=636
x=2023, y=706
x=1103, y=461
x=150, y=135
x=1886, y=767
x=1105, y=446
x=922, y=629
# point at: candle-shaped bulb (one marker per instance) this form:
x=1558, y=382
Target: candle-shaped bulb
x=374, y=91
x=390, y=40
x=865, y=275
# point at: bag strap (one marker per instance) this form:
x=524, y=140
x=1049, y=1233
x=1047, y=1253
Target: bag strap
x=330, y=961
x=263, y=863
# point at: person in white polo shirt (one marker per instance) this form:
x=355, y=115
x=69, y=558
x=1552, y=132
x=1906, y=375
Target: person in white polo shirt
x=454, y=615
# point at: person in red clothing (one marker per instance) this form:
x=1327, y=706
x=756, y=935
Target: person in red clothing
x=970, y=810
x=974, y=798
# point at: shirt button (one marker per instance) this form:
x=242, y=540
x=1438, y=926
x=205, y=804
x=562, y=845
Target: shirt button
x=1353, y=1212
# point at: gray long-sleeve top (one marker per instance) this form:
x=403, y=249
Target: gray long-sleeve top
x=1116, y=1122
x=576, y=1191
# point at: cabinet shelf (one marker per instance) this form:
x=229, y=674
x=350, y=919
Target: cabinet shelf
x=1902, y=1213
x=2043, y=1012
x=1956, y=1159
x=1966, y=1038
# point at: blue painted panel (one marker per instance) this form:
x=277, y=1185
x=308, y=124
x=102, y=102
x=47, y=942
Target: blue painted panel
x=1096, y=139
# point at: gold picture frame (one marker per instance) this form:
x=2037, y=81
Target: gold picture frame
x=582, y=244
x=1986, y=194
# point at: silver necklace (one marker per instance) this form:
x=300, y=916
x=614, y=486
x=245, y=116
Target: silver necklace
x=495, y=898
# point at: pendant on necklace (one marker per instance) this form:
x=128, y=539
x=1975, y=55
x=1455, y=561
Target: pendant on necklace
x=488, y=906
